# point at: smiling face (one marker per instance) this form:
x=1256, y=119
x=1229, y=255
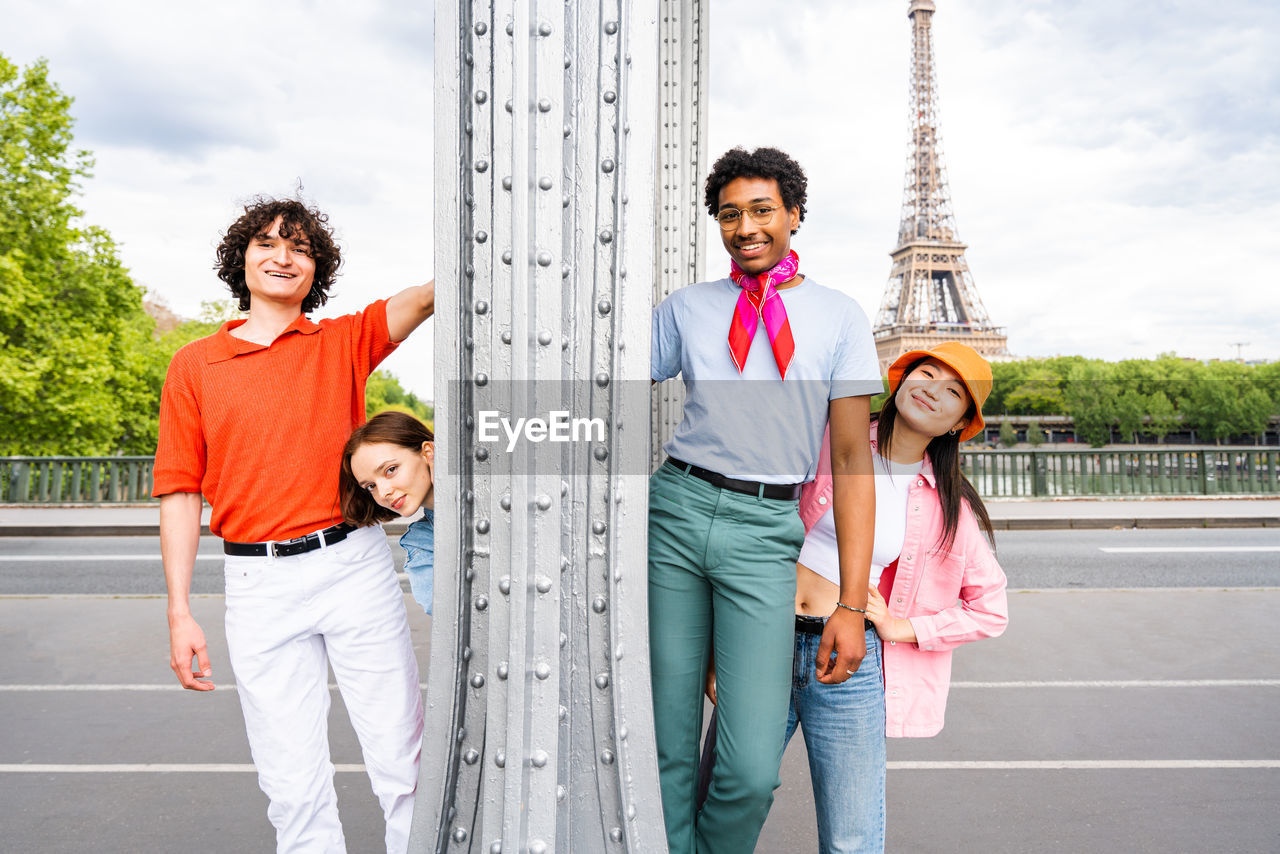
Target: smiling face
x=757, y=247
x=278, y=269
x=932, y=400
x=397, y=478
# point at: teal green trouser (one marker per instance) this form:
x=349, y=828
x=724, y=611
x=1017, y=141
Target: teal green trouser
x=722, y=574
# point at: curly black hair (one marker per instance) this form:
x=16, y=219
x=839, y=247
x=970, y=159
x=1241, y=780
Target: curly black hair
x=762, y=163
x=296, y=218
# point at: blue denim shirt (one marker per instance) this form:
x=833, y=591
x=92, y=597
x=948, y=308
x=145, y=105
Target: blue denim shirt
x=420, y=544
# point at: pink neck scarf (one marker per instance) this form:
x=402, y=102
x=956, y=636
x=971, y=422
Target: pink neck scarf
x=760, y=300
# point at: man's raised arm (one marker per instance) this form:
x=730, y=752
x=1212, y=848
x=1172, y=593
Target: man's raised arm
x=407, y=309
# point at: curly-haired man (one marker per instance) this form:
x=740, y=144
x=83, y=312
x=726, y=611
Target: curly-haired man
x=254, y=417
x=768, y=356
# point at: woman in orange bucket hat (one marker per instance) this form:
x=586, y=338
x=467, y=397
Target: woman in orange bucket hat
x=935, y=584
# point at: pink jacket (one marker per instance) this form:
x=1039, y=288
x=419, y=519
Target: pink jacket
x=951, y=597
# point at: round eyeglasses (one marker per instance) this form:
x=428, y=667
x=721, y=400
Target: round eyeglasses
x=760, y=215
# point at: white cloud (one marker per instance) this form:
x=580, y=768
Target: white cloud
x=190, y=109
x=1113, y=166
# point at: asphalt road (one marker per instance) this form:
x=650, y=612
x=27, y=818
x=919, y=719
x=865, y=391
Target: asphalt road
x=1130, y=707
x=1130, y=557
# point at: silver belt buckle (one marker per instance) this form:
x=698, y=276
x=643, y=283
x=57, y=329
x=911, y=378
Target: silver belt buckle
x=271, y=549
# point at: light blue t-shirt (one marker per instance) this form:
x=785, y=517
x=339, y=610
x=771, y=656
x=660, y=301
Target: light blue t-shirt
x=419, y=542
x=753, y=425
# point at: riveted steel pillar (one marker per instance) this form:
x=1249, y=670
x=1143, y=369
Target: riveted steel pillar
x=539, y=732
x=682, y=164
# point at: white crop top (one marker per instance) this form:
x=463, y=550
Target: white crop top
x=893, y=482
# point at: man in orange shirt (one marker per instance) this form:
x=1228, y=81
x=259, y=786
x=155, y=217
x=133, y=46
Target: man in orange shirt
x=254, y=418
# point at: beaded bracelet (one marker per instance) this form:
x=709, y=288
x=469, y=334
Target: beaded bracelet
x=851, y=608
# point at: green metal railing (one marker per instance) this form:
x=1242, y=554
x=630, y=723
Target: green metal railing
x=75, y=480
x=996, y=474
x=1118, y=473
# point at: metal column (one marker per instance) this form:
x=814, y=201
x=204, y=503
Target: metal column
x=682, y=168
x=539, y=732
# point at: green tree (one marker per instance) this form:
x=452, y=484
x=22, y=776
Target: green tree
x=1035, y=433
x=1163, y=417
x=1266, y=378
x=77, y=367
x=1006, y=376
x=383, y=391
x=1224, y=402
x=1174, y=376
x=1008, y=436
x=1130, y=411
x=1090, y=398
x=1039, y=394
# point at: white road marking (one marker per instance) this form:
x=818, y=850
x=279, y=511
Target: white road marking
x=971, y=765
x=1080, y=683
x=1184, y=549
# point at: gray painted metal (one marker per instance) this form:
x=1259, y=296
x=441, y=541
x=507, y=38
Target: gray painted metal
x=539, y=731
x=682, y=155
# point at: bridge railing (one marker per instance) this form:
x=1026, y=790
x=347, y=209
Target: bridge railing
x=75, y=480
x=996, y=474
x=1115, y=473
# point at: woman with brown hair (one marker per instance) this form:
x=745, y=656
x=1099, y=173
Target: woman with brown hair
x=388, y=469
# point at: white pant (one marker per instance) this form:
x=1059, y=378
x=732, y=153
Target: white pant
x=285, y=615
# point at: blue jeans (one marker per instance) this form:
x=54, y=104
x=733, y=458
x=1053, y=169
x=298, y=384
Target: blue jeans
x=844, y=735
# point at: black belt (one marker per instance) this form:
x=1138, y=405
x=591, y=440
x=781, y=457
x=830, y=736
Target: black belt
x=296, y=546
x=806, y=625
x=778, y=491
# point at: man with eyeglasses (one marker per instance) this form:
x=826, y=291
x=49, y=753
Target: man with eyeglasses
x=724, y=531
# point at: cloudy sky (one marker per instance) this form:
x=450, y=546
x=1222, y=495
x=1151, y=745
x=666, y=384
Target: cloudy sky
x=1115, y=167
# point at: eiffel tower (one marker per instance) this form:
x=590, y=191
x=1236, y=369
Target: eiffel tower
x=930, y=296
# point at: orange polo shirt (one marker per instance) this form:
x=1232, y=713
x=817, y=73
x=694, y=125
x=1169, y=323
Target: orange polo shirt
x=259, y=429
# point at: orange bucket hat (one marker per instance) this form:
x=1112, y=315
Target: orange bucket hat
x=974, y=372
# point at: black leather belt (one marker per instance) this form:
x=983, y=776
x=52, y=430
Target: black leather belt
x=778, y=491
x=806, y=625
x=296, y=546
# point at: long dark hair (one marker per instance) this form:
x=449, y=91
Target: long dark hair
x=393, y=428
x=944, y=454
